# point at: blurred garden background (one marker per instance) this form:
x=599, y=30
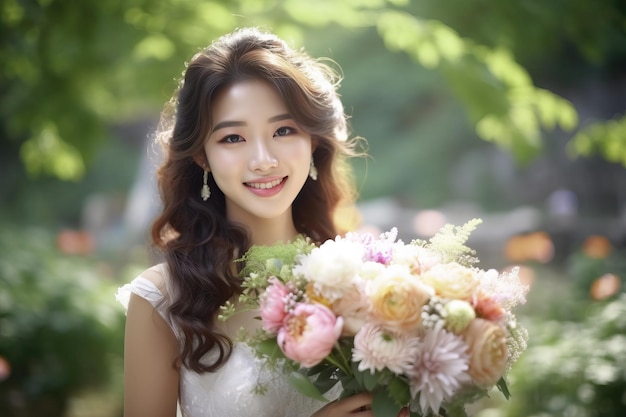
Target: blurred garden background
x=511, y=111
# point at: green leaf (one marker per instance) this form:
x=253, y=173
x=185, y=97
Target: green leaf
x=324, y=385
x=270, y=349
x=370, y=381
x=326, y=379
x=305, y=386
x=383, y=405
x=350, y=386
x=358, y=375
x=318, y=369
x=48, y=153
x=399, y=391
x=502, y=386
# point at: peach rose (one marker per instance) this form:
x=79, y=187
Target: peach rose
x=452, y=281
x=488, y=351
x=396, y=298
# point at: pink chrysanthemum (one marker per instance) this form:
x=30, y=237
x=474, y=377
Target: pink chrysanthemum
x=440, y=368
x=376, y=349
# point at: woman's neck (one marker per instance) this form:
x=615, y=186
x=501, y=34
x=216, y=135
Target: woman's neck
x=265, y=231
x=268, y=232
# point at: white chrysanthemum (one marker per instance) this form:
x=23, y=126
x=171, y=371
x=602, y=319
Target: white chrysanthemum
x=506, y=288
x=439, y=370
x=332, y=267
x=376, y=349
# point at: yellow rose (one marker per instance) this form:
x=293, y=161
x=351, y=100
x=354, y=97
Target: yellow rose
x=451, y=281
x=396, y=298
x=486, y=341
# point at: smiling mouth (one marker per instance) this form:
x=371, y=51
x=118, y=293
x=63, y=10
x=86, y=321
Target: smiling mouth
x=265, y=185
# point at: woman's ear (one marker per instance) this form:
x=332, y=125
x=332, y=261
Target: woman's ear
x=201, y=160
x=314, y=143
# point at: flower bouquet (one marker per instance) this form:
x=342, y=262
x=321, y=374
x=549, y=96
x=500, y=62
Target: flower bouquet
x=416, y=324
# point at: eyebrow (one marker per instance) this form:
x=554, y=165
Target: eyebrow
x=233, y=123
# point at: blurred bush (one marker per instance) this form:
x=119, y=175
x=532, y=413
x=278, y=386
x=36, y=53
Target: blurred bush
x=574, y=368
x=61, y=332
x=575, y=364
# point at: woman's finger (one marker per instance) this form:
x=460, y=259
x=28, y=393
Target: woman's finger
x=357, y=402
x=404, y=412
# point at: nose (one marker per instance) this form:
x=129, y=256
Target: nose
x=263, y=159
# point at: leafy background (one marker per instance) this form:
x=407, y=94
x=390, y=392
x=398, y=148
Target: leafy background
x=510, y=111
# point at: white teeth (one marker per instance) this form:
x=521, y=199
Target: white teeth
x=264, y=185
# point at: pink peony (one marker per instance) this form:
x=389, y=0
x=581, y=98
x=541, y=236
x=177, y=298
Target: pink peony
x=274, y=305
x=309, y=333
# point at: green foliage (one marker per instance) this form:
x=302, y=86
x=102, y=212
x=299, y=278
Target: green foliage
x=66, y=78
x=554, y=38
x=303, y=384
x=574, y=368
x=607, y=139
x=498, y=93
x=60, y=330
x=449, y=243
x=267, y=261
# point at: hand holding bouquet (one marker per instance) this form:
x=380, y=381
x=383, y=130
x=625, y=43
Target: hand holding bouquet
x=416, y=324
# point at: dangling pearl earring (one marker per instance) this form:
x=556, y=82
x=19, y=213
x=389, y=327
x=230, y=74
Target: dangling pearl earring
x=205, y=193
x=312, y=170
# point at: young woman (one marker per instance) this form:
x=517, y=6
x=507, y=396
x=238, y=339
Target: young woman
x=256, y=152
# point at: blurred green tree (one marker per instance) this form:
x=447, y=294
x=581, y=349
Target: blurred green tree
x=72, y=67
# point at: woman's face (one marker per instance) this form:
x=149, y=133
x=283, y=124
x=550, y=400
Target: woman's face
x=257, y=154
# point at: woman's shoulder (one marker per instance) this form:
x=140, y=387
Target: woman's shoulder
x=151, y=285
x=157, y=276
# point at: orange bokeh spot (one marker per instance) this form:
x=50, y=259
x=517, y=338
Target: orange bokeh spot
x=74, y=242
x=605, y=286
x=535, y=246
x=428, y=222
x=597, y=247
x=5, y=369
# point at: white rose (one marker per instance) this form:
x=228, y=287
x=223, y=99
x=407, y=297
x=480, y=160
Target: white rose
x=332, y=267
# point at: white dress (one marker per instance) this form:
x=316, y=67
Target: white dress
x=232, y=390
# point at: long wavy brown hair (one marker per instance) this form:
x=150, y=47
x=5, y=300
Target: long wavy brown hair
x=194, y=237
